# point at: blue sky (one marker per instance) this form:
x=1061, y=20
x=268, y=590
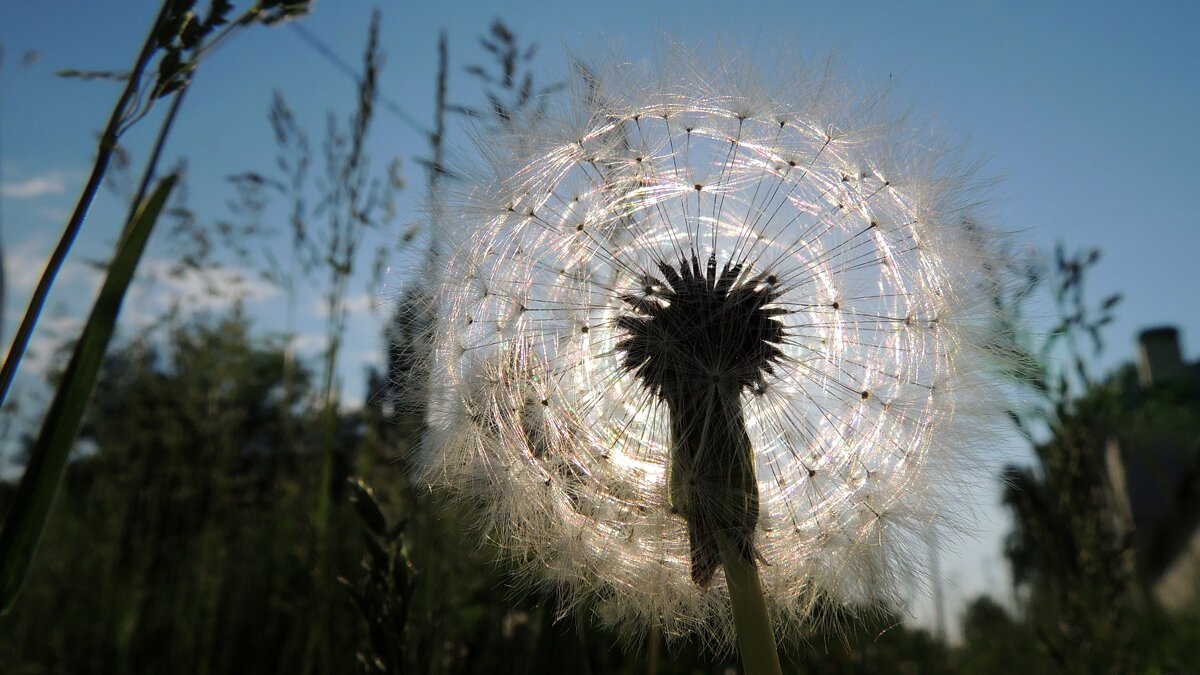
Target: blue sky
x=1086, y=112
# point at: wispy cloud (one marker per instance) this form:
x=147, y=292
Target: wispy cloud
x=158, y=288
x=309, y=344
x=355, y=305
x=55, y=214
x=24, y=263
x=161, y=285
x=46, y=351
x=49, y=183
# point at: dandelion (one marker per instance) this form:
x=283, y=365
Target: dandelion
x=700, y=334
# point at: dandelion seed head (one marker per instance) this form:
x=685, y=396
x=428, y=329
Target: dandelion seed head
x=663, y=236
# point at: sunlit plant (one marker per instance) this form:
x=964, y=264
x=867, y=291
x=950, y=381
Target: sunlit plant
x=707, y=340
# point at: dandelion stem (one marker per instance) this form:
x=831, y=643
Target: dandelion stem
x=756, y=640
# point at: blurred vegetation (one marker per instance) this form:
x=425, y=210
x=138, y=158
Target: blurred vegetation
x=177, y=42
x=183, y=537
x=1084, y=589
x=225, y=512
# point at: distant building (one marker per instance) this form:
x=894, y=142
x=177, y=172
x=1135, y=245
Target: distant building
x=1154, y=466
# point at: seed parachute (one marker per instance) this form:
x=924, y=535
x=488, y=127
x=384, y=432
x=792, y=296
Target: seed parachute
x=691, y=303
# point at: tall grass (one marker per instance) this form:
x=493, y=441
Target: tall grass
x=178, y=39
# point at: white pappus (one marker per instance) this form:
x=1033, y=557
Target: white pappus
x=691, y=302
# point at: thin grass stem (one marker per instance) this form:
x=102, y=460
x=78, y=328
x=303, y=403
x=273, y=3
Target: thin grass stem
x=104, y=151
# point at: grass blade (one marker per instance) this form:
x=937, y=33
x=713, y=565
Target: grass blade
x=104, y=153
x=48, y=457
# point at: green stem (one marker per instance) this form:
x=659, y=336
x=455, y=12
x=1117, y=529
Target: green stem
x=108, y=142
x=756, y=640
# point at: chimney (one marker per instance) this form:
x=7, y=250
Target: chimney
x=1159, y=358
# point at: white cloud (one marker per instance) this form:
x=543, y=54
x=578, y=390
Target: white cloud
x=45, y=353
x=362, y=303
x=355, y=305
x=24, y=263
x=56, y=214
x=154, y=291
x=49, y=183
x=160, y=285
x=309, y=344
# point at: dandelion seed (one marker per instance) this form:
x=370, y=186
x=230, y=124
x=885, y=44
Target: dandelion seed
x=685, y=310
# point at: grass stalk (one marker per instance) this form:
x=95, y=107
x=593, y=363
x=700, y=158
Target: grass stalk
x=48, y=457
x=104, y=151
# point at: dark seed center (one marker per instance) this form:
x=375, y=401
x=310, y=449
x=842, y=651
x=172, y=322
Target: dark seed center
x=696, y=339
x=694, y=326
